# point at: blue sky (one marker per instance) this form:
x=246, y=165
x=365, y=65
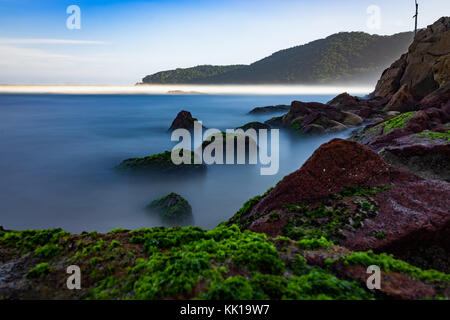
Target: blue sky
x=121, y=41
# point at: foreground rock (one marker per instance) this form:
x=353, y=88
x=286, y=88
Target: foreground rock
x=172, y=208
x=420, y=78
x=161, y=163
x=347, y=193
x=183, y=120
x=191, y=263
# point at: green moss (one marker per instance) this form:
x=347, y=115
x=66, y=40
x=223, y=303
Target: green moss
x=237, y=217
x=314, y=244
x=48, y=251
x=268, y=287
x=381, y=235
x=320, y=285
x=389, y=264
x=436, y=135
x=233, y=288
x=274, y=216
x=29, y=240
x=39, y=271
x=397, y=122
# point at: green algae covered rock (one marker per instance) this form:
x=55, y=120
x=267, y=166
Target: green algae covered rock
x=172, y=208
x=161, y=162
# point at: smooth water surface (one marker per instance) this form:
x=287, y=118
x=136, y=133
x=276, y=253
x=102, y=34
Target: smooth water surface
x=58, y=153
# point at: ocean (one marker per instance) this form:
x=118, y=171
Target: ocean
x=58, y=153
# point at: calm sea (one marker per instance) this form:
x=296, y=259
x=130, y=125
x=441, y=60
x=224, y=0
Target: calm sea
x=57, y=154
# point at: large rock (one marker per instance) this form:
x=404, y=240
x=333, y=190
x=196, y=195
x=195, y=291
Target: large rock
x=349, y=194
x=314, y=117
x=419, y=73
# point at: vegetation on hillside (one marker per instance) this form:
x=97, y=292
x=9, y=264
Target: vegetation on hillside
x=346, y=56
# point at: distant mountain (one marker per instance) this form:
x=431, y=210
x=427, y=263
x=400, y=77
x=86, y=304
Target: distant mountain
x=341, y=57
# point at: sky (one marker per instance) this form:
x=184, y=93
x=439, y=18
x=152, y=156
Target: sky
x=119, y=42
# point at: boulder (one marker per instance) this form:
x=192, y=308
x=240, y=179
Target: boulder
x=172, y=208
x=183, y=120
x=347, y=193
x=254, y=125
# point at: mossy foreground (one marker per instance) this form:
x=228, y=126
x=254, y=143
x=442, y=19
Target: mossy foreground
x=191, y=263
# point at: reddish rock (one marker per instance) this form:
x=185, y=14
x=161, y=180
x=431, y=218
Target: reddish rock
x=415, y=211
x=334, y=166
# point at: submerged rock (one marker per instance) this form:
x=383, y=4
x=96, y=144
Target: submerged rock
x=254, y=125
x=270, y=109
x=161, y=163
x=172, y=208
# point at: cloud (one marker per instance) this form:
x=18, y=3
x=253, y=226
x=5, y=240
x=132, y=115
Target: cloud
x=49, y=41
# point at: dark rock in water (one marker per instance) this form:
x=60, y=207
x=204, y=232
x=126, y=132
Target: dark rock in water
x=172, y=208
x=254, y=125
x=420, y=78
x=276, y=122
x=364, y=108
x=314, y=117
x=270, y=109
x=184, y=120
x=348, y=194
x=161, y=163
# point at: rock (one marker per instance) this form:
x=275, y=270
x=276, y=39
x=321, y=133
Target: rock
x=183, y=120
x=351, y=119
x=419, y=73
x=161, y=163
x=270, y=109
x=402, y=101
x=254, y=125
x=313, y=117
x=275, y=122
x=349, y=194
x=172, y=208
x=346, y=102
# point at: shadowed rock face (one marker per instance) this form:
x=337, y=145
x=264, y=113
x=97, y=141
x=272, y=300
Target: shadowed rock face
x=184, y=120
x=405, y=212
x=420, y=78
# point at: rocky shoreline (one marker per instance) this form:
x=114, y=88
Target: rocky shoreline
x=380, y=198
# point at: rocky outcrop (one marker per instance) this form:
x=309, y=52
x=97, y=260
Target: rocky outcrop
x=418, y=141
x=183, y=120
x=161, y=163
x=349, y=194
x=314, y=117
x=172, y=208
x=269, y=109
x=254, y=125
x=420, y=78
